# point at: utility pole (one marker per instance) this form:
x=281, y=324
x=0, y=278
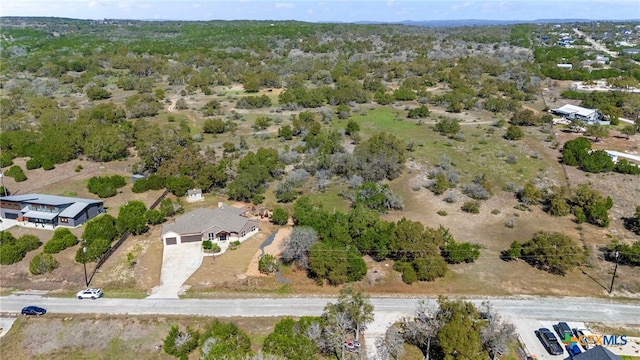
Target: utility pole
x=84, y=264
x=614, y=272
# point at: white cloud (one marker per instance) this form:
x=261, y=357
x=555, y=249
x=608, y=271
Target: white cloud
x=462, y=6
x=285, y=6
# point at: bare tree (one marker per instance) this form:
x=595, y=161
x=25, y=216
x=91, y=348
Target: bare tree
x=423, y=328
x=496, y=334
x=296, y=247
x=390, y=346
x=350, y=314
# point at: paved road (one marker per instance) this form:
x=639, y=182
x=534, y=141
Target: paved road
x=595, y=44
x=387, y=310
x=541, y=308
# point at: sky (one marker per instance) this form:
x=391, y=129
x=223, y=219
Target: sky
x=325, y=11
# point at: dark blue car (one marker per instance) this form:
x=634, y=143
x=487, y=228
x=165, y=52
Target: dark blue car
x=33, y=310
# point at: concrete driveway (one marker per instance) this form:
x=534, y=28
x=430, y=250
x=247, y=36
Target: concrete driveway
x=179, y=262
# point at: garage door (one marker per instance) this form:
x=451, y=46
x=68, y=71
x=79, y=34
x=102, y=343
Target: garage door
x=190, y=238
x=171, y=241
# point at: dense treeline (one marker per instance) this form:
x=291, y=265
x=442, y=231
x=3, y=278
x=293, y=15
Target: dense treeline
x=332, y=251
x=578, y=152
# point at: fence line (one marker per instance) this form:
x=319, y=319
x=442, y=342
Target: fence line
x=124, y=237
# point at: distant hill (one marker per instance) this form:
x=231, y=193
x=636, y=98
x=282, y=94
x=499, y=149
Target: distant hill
x=478, y=22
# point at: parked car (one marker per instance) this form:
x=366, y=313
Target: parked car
x=349, y=345
x=573, y=349
x=585, y=338
x=549, y=341
x=33, y=310
x=89, y=294
x=563, y=330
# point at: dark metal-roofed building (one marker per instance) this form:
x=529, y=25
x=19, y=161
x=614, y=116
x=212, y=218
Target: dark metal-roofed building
x=49, y=209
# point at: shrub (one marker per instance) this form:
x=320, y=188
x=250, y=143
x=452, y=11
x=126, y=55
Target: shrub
x=62, y=239
x=207, y=245
x=267, y=264
x=447, y=126
x=514, y=133
x=442, y=213
x=154, y=217
x=180, y=344
x=451, y=197
x=43, y=263
x=16, y=173
x=33, y=164
x=28, y=243
x=6, y=159
x=515, y=251
x=553, y=252
x=472, y=207
x=13, y=250
x=140, y=186
x=97, y=93
x=213, y=126
x=47, y=164
x=105, y=186
x=10, y=254
x=280, y=216
x=456, y=253
x=476, y=191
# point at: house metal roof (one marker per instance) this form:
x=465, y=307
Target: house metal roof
x=73, y=206
x=73, y=210
x=53, y=200
x=226, y=218
x=40, y=215
x=573, y=109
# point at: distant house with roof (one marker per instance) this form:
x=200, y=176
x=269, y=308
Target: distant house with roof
x=49, y=209
x=221, y=225
x=574, y=112
x=194, y=195
x=632, y=51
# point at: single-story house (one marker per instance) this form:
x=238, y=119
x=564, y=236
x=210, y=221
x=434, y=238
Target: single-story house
x=221, y=225
x=572, y=112
x=631, y=51
x=565, y=66
x=49, y=209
